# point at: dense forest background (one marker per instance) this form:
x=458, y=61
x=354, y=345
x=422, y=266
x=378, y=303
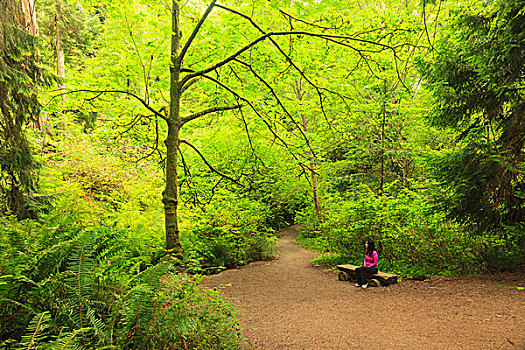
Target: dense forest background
x=144, y=138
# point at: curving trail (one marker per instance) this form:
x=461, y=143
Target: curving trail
x=288, y=304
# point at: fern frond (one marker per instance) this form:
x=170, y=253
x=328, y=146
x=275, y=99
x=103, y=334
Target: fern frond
x=82, y=266
x=49, y=259
x=152, y=275
x=140, y=305
x=108, y=246
x=68, y=341
x=35, y=331
x=96, y=324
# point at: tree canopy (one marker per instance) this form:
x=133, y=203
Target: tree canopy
x=141, y=139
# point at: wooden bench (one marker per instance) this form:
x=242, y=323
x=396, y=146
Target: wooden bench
x=347, y=273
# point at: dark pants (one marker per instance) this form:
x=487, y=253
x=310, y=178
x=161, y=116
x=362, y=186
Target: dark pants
x=363, y=272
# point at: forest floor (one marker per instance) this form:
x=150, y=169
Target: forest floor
x=289, y=304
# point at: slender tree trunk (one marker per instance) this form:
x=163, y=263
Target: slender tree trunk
x=13, y=124
x=28, y=7
x=61, y=71
x=312, y=169
x=313, y=173
x=383, y=121
x=170, y=194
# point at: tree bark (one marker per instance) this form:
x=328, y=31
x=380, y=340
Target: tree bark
x=30, y=23
x=170, y=194
x=61, y=71
x=383, y=121
x=315, y=189
x=313, y=174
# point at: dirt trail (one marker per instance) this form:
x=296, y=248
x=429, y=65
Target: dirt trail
x=288, y=304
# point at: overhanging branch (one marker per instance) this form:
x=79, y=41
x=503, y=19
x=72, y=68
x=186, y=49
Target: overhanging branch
x=277, y=137
x=272, y=91
x=209, y=165
x=269, y=36
x=189, y=84
x=196, y=31
x=305, y=22
x=101, y=92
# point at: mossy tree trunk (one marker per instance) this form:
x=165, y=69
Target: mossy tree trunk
x=170, y=194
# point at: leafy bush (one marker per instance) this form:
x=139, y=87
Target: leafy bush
x=504, y=250
x=230, y=233
x=318, y=244
x=330, y=260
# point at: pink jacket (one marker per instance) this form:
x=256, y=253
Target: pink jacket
x=371, y=261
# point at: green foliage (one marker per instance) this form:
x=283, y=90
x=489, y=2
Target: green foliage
x=312, y=240
x=231, y=232
x=63, y=286
x=79, y=28
x=412, y=239
x=92, y=273
x=505, y=249
x=330, y=260
x=476, y=80
x=21, y=78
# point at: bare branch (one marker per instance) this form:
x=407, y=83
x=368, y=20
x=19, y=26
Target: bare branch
x=139, y=56
x=189, y=84
x=155, y=146
x=280, y=104
x=207, y=111
x=305, y=22
x=187, y=171
x=213, y=190
x=277, y=137
x=131, y=124
x=269, y=36
x=209, y=165
x=289, y=60
x=426, y=27
x=195, y=31
x=250, y=140
x=101, y=92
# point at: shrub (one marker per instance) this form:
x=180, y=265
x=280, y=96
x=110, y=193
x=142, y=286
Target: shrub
x=230, y=233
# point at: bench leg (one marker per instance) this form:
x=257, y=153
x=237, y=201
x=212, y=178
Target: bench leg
x=374, y=283
x=343, y=276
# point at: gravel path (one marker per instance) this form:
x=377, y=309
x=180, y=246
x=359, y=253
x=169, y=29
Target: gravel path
x=288, y=304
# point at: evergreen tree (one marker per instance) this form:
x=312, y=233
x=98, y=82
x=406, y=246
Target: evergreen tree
x=477, y=81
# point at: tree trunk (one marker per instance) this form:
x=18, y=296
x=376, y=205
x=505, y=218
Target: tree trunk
x=313, y=173
x=170, y=194
x=383, y=121
x=28, y=7
x=312, y=169
x=61, y=71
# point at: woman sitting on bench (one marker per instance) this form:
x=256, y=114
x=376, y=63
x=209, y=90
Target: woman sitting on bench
x=370, y=264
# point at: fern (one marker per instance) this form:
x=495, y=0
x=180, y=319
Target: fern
x=140, y=305
x=97, y=325
x=35, y=331
x=80, y=284
x=68, y=341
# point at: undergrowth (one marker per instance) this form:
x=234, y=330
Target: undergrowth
x=411, y=237
x=70, y=286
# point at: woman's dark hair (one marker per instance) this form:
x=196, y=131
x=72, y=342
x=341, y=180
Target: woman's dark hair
x=371, y=247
